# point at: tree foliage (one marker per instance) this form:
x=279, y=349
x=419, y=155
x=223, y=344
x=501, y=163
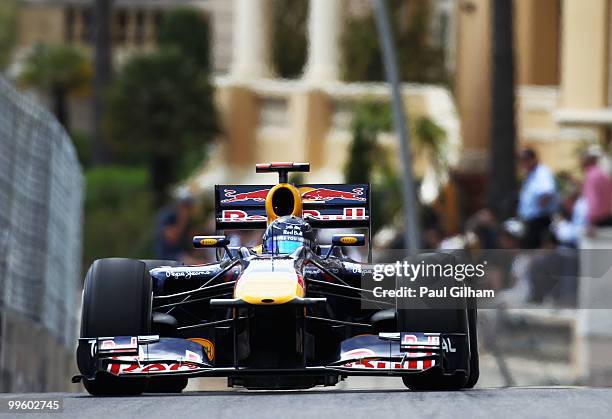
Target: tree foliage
x=418, y=59
x=368, y=163
x=48, y=66
x=187, y=30
x=429, y=140
x=7, y=30
x=119, y=215
x=161, y=110
x=289, y=43
x=57, y=70
x=369, y=118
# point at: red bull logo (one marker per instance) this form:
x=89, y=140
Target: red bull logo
x=326, y=194
x=257, y=196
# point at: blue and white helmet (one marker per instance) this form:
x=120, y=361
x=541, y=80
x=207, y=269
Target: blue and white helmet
x=286, y=234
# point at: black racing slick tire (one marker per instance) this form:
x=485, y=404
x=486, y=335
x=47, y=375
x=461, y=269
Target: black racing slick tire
x=438, y=319
x=167, y=385
x=117, y=299
x=474, y=358
x=158, y=384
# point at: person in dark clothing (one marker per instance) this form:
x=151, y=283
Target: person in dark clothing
x=172, y=229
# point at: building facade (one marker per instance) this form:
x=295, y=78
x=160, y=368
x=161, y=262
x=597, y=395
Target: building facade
x=265, y=118
x=562, y=72
x=135, y=24
x=308, y=118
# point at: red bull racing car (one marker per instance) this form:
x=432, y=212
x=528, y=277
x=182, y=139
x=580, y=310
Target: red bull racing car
x=287, y=314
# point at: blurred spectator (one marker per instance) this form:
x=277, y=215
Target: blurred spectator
x=538, y=197
x=596, y=190
x=432, y=238
x=514, y=264
x=484, y=225
x=554, y=273
x=571, y=219
x=172, y=229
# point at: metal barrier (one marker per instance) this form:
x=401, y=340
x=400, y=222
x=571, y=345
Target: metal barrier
x=41, y=197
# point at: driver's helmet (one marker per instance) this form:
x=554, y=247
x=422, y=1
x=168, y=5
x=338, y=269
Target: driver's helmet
x=286, y=234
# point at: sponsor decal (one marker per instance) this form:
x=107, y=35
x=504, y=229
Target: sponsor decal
x=257, y=196
x=374, y=364
x=186, y=273
x=119, y=344
x=292, y=230
x=348, y=214
x=192, y=356
x=208, y=242
x=209, y=347
x=326, y=194
x=447, y=345
x=358, y=213
x=160, y=367
x=364, y=358
x=358, y=354
x=240, y=216
x=412, y=341
x=348, y=240
x=179, y=274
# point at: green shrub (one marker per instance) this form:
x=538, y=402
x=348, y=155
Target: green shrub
x=8, y=21
x=418, y=60
x=187, y=30
x=119, y=218
x=161, y=113
x=370, y=164
x=289, y=43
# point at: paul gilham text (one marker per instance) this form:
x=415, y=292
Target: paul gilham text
x=426, y=292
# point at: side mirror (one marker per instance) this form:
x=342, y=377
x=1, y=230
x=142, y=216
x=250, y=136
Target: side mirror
x=209, y=242
x=345, y=240
x=348, y=240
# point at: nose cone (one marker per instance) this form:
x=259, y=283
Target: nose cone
x=269, y=288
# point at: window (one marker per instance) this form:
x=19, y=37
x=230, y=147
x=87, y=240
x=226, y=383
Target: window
x=121, y=26
x=69, y=22
x=158, y=18
x=140, y=28
x=87, y=34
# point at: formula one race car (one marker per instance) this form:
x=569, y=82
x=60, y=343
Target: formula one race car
x=286, y=314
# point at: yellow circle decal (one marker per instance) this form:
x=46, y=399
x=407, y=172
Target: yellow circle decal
x=208, y=242
x=348, y=240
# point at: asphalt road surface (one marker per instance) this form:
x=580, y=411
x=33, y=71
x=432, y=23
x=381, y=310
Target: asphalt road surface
x=518, y=402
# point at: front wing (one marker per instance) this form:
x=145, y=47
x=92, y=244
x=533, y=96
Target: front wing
x=382, y=354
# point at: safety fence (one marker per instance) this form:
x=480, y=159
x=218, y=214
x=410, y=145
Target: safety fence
x=41, y=197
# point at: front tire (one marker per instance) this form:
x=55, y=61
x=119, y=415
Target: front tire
x=167, y=385
x=474, y=358
x=117, y=299
x=438, y=319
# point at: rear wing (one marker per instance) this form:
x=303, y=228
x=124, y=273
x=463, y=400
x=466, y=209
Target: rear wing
x=324, y=206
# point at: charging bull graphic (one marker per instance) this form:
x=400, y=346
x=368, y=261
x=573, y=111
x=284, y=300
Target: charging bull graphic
x=326, y=194
x=257, y=196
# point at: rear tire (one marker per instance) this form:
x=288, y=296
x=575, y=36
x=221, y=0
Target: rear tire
x=435, y=320
x=117, y=299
